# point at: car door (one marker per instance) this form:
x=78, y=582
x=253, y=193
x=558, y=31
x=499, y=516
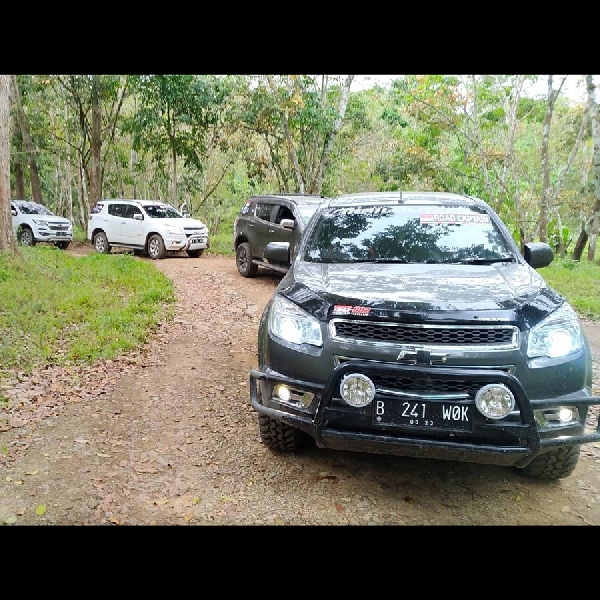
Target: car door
x=113, y=225
x=279, y=233
x=258, y=231
x=132, y=229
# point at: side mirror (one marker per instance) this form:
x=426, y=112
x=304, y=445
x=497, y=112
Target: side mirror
x=538, y=254
x=13, y=211
x=288, y=223
x=138, y=217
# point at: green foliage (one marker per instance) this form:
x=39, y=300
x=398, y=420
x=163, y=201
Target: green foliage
x=221, y=244
x=225, y=136
x=61, y=309
x=579, y=282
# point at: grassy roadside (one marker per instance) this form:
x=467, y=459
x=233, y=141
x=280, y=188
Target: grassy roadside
x=578, y=282
x=60, y=309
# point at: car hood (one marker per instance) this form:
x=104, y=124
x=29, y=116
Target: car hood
x=183, y=222
x=486, y=292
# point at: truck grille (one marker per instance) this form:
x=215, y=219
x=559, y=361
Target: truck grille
x=57, y=226
x=492, y=336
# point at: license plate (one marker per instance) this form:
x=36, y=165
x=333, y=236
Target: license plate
x=61, y=233
x=196, y=240
x=423, y=415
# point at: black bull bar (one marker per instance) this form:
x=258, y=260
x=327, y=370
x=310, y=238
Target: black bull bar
x=316, y=426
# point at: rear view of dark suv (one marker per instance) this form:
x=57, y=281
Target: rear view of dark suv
x=268, y=229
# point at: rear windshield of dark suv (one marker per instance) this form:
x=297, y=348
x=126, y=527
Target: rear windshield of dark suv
x=406, y=233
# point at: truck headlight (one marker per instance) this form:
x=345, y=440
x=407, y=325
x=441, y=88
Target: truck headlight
x=174, y=229
x=559, y=334
x=290, y=323
x=40, y=222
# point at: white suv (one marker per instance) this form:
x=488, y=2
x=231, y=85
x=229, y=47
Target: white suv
x=33, y=223
x=145, y=226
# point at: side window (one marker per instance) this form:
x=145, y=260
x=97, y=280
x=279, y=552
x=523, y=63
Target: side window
x=117, y=210
x=131, y=211
x=283, y=212
x=263, y=211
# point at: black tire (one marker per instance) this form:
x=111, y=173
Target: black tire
x=279, y=436
x=62, y=245
x=25, y=236
x=243, y=260
x=101, y=244
x=555, y=464
x=156, y=247
x=195, y=253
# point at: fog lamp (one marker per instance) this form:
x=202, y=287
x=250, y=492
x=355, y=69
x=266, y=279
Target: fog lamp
x=357, y=389
x=560, y=416
x=494, y=401
x=565, y=415
x=283, y=392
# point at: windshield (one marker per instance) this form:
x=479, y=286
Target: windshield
x=162, y=211
x=33, y=208
x=408, y=234
x=307, y=211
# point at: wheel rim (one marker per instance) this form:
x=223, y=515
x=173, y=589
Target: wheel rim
x=153, y=248
x=26, y=237
x=100, y=243
x=242, y=261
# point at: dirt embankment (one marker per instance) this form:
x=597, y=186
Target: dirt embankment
x=167, y=436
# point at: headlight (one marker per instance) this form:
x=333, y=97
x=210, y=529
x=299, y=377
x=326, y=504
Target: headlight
x=290, y=323
x=40, y=222
x=174, y=229
x=559, y=334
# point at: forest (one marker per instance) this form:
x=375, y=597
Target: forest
x=212, y=140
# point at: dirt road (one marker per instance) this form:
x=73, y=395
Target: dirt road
x=167, y=436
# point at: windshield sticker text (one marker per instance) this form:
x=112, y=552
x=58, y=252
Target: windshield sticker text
x=367, y=211
x=456, y=218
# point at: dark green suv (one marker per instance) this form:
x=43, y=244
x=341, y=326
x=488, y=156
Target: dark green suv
x=411, y=324
x=268, y=229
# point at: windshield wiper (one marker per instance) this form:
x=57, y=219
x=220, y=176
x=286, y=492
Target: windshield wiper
x=486, y=261
x=399, y=261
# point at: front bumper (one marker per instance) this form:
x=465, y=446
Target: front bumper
x=513, y=441
x=194, y=242
x=43, y=234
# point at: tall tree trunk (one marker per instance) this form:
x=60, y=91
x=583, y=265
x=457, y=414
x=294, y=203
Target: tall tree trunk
x=594, y=220
x=545, y=199
x=174, y=159
x=317, y=186
x=7, y=237
x=96, y=145
x=34, y=175
x=19, y=180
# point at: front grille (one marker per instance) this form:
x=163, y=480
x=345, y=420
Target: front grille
x=189, y=231
x=424, y=386
x=495, y=336
x=402, y=385
x=58, y=226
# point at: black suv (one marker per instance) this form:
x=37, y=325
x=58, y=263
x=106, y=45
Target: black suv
x=411, y=324
x=268, y=229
